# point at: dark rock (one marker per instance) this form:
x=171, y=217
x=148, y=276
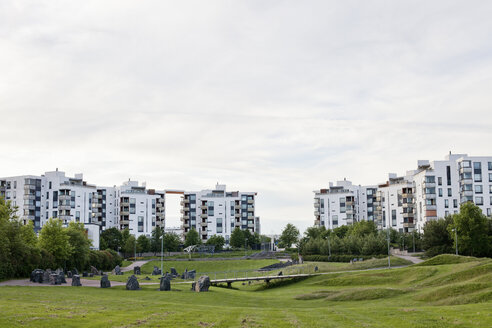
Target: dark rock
x=37, y=276
x=55, y=279
x=316, y=269
x=132, y=283
x=174, y=272
x=156, y=271
x=74, y=271
x=117, y=270
x=136, y=270
x=46, y=276
x=76, y=280
x=85, y=274
x=191, y=274
x=147, y=278
x=69, y=274
x=202, y=284
x=61, y=275
x=280, y=273
x=94, y=270
x=91, y=275
x=105, y=283
x=193, y=285
x=165, y=283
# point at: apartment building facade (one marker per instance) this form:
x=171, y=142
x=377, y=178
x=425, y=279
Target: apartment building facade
x=218, y=212
x=433, y=190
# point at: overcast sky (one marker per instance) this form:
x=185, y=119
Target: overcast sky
x=278, y=97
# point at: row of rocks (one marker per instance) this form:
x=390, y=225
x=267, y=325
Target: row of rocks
x=56, y=277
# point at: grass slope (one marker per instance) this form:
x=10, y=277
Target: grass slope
x=414, y=296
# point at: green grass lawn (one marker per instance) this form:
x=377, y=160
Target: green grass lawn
x=445, y=295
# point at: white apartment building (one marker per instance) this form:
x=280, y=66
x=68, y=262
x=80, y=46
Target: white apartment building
x=140, y=209
x=434, y=190
x=218, y=212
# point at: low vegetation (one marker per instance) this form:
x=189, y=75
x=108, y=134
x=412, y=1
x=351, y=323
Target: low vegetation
x=438, y=295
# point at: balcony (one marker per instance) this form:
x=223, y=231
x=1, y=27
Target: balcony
x=237, y=215
x=203, y=207
x=465, y=169
x=251, y=217
x=125, y=213
x=125, y=203
x=407, y=205
x=29, y=197
x=186, y=225
x=408, y=225
x=317, y=222
x=65, y=217
x=429, y=184
x=349, y=211
x=185, y=217
x=124, y=222
x=407, y=195
x=203, y=233
x=349, y=203
x=251, y=225
x=408, y=215
x=430, y=196
x=29, y=187
x=432, y=207
x=316, y=213
x=466, y=193
x=96, y=205
x=251, y=201
x=159, y=205
x=203, y=223
x=204, y=215
x=237, y=207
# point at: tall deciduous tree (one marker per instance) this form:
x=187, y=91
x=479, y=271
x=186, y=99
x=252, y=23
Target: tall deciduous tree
x=55, y=240
x=155, y=240
x=436, y=239
x=217, y=241
x=192, y=238
x=472, y=231
x=237, y=238
x=143, y=244
x=112, y=239
x=171, y=242
x=289, y=236
x=80, y=245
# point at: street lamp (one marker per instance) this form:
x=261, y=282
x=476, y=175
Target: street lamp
x=162, y=249
x=456, y=239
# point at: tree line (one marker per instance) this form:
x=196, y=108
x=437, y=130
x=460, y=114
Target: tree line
x=22, y=251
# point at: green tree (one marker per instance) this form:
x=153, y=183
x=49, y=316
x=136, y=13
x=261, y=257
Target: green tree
x=254, y=240
x=289, y=236
x=111, y=238
x=79, y=244
x=125, y=234
x=192, y=238
x=436, y=239
x=55, y=240
x=129, y=247
x=28, y=235
x=472, y=230
x=216, y=240
x=237, y=238
x=143, y=244
x=171, y=242
x=362, y=228
x=341, y=231
x=155, y=240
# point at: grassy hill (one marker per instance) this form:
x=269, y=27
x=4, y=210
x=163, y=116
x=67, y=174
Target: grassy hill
x=440, y=295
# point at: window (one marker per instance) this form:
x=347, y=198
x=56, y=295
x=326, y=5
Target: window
x=490, y=189
x=448, y=175
x=439, y=181
x=455, y=203
x=430, y=190
x=132, y=200
x=465, y=164
x=477, y=177
x=335, y=220
x=477, y=165
x=446, y=203
x=490, y=200
x=488, y=212
x=55, y=215
x=49, y=185
x=430, y=179
x=490, y=166
x=15, y=184
x=450, y=192
x=478, y=189
x=369, y=191
x=77, y=216
x=490, y=177
x=393, y=218
x=478, y=200
x=468, y=187
x=440, y=192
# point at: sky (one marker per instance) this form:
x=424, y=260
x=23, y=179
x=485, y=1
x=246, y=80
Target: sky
x=277, y=97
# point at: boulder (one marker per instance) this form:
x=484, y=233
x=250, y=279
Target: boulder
x=156, y=271
x=61, y=275
x=76, y=280
x=91, y=275
x=147, y=278
x=191, y=274
x=46, y=276
x=280, y=273
x=202, y=284
x=94, y=270
x=37, y=276
x=85, y=274
x=132, y=283
x=55, y=279
x=136, y=270
x=174, y=272
x=74, y=271
x=105, y=283
x=165, y=283
x=117, y=270
x=69, y=274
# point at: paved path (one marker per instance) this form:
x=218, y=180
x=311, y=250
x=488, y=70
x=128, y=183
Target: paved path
x=84, y=282
x=134, y=264
x=410, y=258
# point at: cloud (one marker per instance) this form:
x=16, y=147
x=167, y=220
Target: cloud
x=279, y=97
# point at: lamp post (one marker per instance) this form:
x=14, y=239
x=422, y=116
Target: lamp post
x=456, y=239
x=162, y=250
